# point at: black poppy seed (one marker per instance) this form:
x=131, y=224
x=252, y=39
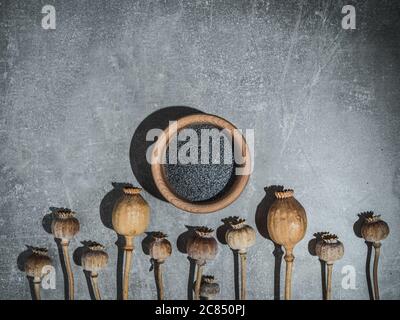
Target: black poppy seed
x=201, y=182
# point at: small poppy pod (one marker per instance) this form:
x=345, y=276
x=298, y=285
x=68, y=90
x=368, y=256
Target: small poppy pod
x=209, y=288
x=374, y=229
x=36, y=262
x=202, y=246
x=131, y=213
x=240, y=236
x=64, y=225
x=329, y=248
x=160, y=248
x=94, y=258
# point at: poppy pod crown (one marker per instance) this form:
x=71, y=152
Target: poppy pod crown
x=208, y=279
x=40, y=251
x=131, y=190
x=204, y=232
x=287, y=193
x=158, y=236
x=65, y=214
x=373, y=218
x=236, y=222
x=320, y=234
x=329, y=238
x=95, y=246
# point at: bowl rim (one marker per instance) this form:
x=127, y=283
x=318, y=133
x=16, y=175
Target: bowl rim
x=158, y=170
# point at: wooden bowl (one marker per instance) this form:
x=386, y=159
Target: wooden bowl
x=237, y=184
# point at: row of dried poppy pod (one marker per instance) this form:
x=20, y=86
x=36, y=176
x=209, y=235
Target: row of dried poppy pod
x=286, y=224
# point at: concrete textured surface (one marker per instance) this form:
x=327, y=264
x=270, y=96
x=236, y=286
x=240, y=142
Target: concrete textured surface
x=323, y=101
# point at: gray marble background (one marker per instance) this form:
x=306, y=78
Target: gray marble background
x=324, y=103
